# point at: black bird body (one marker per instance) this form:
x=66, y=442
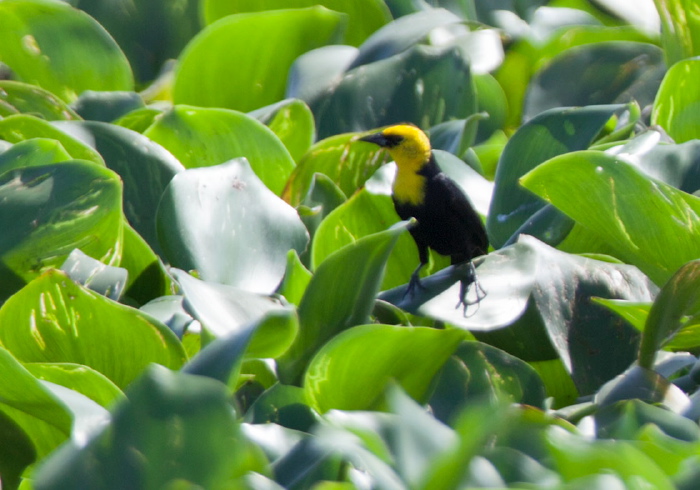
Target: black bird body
x=446, y=220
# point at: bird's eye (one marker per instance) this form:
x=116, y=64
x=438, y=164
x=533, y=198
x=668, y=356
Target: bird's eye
x=393, y=140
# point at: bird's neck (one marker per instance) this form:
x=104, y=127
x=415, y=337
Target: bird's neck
x=411, y=177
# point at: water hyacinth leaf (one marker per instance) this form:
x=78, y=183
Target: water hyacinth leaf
x=574, y=78
x=254, y=80
x=676, y=307
x=33, y=152
x=679, y=30
x=200, y=137
x=634, y=312
x=16, y=452
x=145, y=167
x=363, y=16
x=545, y=136
x=296, y=279
x=293, y=123
x=402, y=34
x=224, y=310
x=347, y=163
x=106, y=106
x=352, y=371
x=676, y=102
x=22, y=127
x=247, y=232
x=139, y=120
x=52, y=320
x=76, y=377
x=34, y=45
x=148, y=278
x=329, y=306
x=538, y=299
x=314, y=71
x=133, y=27
x=182, y=425
x=48, y=211
x=434, y=84
x=43, y=418
x=103, y=279
x=618, y=203
x=479, y=371
x=170, y=310
x=30, y=99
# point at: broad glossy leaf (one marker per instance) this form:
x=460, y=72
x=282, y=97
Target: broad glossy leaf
x=293, y=123
x=402, y=34
x=478, y=372
x=52, y=319
x=575, y=457
x=223, y=311
x=676, y=104
x=30, y=99
x=133, y=23
x=258, y=76
x=619, y=204
x=103, y=279
x=48, y=211
x=641, y=14
x=347, y=163
x=144, y=166
x=340, y=295
x=201, y=137
x=676, y=308
x=314, y=71
x=296, y=279
x=549, y=134
x=31, y=406
x=181, y=425
x=148, y=278
x=363, y=16
x=679, y=30
x=600, y=73
x=634, y=312
x=140, y=119
x=78, y=378
x=33, y=43
x=352, y=370
x=33, y=152
x=432, y=85
x=538, y=298
x=106, y=106
x=247, y=232
x=285, y=405
x=23, y=127
x=16, y=452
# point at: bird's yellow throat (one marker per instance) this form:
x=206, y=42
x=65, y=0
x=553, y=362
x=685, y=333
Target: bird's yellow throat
x=411, y=155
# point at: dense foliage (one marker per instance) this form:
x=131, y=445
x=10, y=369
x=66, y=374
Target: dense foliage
x=202, y=276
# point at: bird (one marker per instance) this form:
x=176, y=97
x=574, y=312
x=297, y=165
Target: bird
x=446, y=220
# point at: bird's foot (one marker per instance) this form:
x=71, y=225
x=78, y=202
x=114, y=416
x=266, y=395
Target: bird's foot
x=414, y=283
x=464, y=285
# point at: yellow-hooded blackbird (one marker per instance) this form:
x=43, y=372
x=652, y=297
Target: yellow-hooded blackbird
x=446, y=220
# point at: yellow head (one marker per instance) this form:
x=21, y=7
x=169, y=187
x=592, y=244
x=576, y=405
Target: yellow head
x=410, y=149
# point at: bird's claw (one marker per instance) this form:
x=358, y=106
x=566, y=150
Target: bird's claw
x=464, y=290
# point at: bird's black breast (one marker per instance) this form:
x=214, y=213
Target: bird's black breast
x=447, y=222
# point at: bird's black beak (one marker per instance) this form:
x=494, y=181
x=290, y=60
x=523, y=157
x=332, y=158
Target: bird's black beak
x=376, y=138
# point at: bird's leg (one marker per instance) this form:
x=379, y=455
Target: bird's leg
x=464, y=284
x=414, y=282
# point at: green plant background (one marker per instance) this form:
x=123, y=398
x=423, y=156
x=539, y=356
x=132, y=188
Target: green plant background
x=203, y=278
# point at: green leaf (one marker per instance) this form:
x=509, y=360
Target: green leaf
x=600, y=73
x=246, y=236
x=144, y=166
x=181, y=425
x=433, y=84
x=30, y=99
x=293, y=123
x=258, y=76
x=34, y=44
x=340, y=158
x=79, y=378
x=132, y=25
x=106, y=106
x=48, y=211
x=619, y=204
x=296, y=279
x=284, y=405
x=331, y=305
x=634, y=312
x=23, y=127
x=676, y=307
x=43, y=418
x=32, y=152
x=103, y=279
x=16, y=452
x=547, y=135
x=148, y=278
x=679, y=30
x=676, y=104
x=52, y=319
x=205, y=137
x=352, y=371
x=364, y=16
